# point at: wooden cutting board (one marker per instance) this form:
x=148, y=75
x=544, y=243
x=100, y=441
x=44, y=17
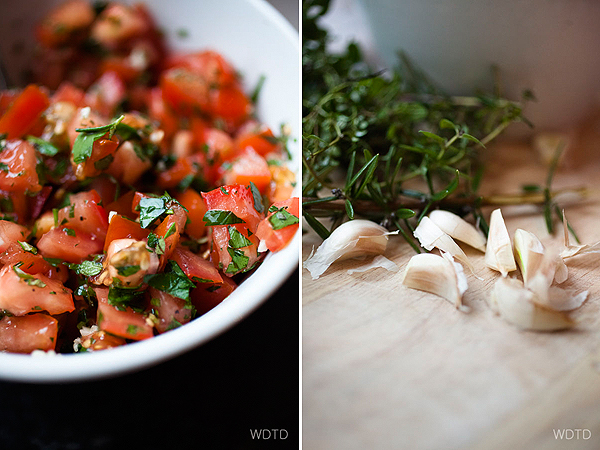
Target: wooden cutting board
x=389, y=367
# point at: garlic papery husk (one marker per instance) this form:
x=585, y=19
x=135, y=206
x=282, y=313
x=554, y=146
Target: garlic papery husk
x=430, y=236
x=560, y=299
x=379, y=261
x=573, y=250
x=529, y=253
x=516, y=305
x=436, y=275
x=349, y=240
x=498, y=252
x=458, y=228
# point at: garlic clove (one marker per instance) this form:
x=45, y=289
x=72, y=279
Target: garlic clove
x=560, y=299
x=349, y=240
x=458, y=228
x=436, y=275
x=529, y=253
x=430, y=236
x=516, y=305
x=498, y=253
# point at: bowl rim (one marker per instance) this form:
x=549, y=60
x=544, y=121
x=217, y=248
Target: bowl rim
x=65, y=368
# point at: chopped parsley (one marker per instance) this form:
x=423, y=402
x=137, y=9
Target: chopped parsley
x=237, y=239
x=157, y=243
x=173, y=281
x=84, y=144
x=258, y=205
x=220, y=217
x=86, y=268
x=28, y=247
x=282, y=218
x=152, y=208
x=42, y=146
x=126, y=271
x=28, y=278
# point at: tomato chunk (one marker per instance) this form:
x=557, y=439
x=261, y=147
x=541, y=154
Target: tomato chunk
x=258, y=137
x=10, y=233
x=235, y=198
x=70, y=245
x=128, y=323
x=206, y=299
x=24, y=112
x=246, y=168
x=28, y=333
x=33, y=264
x=171, y=311
x=121, y=228
x=196, y=207
x=278, y=236
x=196, y=268
x=185, y=91
x=85, y=214
x=18, y=167
x=22, y=293
x=64, y=22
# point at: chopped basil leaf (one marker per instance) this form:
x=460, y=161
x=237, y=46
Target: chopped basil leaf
x=151, y=208
x=282, y=218
x=126, y=271
x=237, y=239
x=157, y=243
x=122, y=297
x=258, y=205
x=42, y=146
x=86, y=268
x=28, y=278
x=4, y=167
x=84, y=143
x=239, y=261
x=28, y=247
x=220, y=217
x=174, y=282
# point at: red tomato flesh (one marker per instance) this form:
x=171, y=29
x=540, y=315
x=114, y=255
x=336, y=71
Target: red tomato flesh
x=171, y=311
x=28, y=333
x=206, y=299
x=58, y=243
x=128, y=324
x=275, y=240
x=24, y=112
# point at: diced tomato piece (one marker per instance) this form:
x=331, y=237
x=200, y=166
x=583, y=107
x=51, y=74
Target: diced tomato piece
x=10, y=233
x=235, y=198
x=178, y=219
x=128, y=324
x=282, y=183
x=171, y=311
x=120, y=65
x=258, y=137
x=127, y=166
x=189, y=166
x=38, y=200
x=122, y=228
x=6, y=99
x=64, y=22
x=29, y=293
x=68, y=92
x=196, y=268
x=84, y=119
x=206, y=299
x=58, y=243
x=185, y=91
x=219, y=145
x=93, y=166
x=28, y=333
x=106, y=93
x=117, y=24
x=221, y=236
x=196, y=207
x=18, y=167
x=85, y=214
x=208, y=64
x=161, y=112
x=24, y=112
x=123, y=205
x=231, y=104
x=277, y=239
x=20, y=205
x=246, y=168
x=33, y=264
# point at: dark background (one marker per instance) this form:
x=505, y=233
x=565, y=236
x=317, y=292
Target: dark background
x=209, y=397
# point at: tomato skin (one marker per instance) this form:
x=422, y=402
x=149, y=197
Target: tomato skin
x=28, y=333
x=196, y=207
x=122, y=205
x=20, y=158
x=20, y=298
x=24, y=112
x=123, y=228
x=246, y=168
x=183, y=167
x=178, y=218
x=169, y=310
x=128, y=324
x=85, y=214
x=10, y=233
x=195, y=266
x=204, y=300
x=275, y=240
x=56, y=243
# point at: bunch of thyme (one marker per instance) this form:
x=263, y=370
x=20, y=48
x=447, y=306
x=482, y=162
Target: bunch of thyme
x=386, y=130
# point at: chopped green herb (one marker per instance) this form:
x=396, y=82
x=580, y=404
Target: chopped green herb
x=171, y=230
x=220, y=217
x=126, y=271
x=69, y=231
x=157, y=243
x=258, y=205
x=174, y=281
x=28, y=278
x=282, y=218
x=42, y=146
x=86, y=268
x=84, y=143
x=28, y=247
x=237, y=239
x=239, y=261
x=152, y=208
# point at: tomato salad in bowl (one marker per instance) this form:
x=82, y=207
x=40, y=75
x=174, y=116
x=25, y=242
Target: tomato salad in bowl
x=137, y=187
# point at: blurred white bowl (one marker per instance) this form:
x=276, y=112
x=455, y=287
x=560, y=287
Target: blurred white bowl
x=548, y=46
x=257, y=40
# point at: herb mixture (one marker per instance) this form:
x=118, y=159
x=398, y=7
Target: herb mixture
x=137, y=187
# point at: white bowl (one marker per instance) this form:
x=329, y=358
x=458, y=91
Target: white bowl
x=257, y=40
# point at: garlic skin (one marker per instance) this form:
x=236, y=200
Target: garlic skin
x=430, y=236
x=498, y=253
x=529, y=253
x=458, y=228
x=436, y=275
x=349, y=240
x=516, y=305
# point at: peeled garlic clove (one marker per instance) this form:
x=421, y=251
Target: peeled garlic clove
x=351, y=239
x=458, y=228
x=560, y=299
x=529, y=253
x=430, y=236
x=498, y=252
x=436, y=275
x=515, y=305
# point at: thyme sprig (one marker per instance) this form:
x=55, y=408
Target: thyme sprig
x=387, y=130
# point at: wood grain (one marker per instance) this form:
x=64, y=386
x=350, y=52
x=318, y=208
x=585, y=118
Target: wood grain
x=389, y=367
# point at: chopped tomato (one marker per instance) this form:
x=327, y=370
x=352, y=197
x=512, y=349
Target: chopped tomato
x=128, y=324
x=10, y=233
x=28, y=333
x=231, y=104
x=121, y=65
x=18, y=167
x=64, y=22
x=122, y=205
x=85, y=214
x=24, y=112
x=69, y=245
x=22, y=293
x=219, y=145
x=206, y=299
x=122, y=228
x=276, y=238
x=103, y=155
x=33, y=263
x=196, y=268
x=258, y=137
x=196, y=207
x=171, y=227
x=185, y=91
x=170, y=311
x=246, y=168
x=190, y=166
x=117, y=24
x=235, y=259
x=209, y=65
x=235, y=198
x=161, y=112
x=84, y=118
x=68, y=92
x=106, y=93
x=127, y=166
